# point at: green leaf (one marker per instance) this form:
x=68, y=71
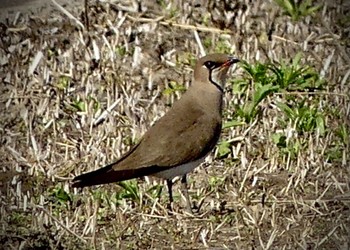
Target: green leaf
x=286, y=109
x=343, y=134
x=224, y=149
x=297, y=59
x=296, y=9
x=262, y=92
x=61, y=195
x=174, y=87
x=79, y=105
x=280, y=140
x=155, y=191
x=131, y=190
x=232, y=123
x=63, y=82
x=320, y=123
x=312, y=10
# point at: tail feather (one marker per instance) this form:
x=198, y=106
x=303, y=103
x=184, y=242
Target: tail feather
x=108, y=175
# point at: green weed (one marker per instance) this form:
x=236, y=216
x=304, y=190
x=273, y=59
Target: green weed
x=79, y=105
x=298, y=9
x=223, y=46
x=63, y=82
x=304, y=118
x=173, y=88
x=294, y=76
x=270, y=78
x=130, y=191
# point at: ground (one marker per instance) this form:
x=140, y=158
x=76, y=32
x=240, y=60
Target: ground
x=79, y=89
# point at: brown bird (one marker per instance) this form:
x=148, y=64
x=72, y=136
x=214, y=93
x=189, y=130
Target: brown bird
x=180, y=140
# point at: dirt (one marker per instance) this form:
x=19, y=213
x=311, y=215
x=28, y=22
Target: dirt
x=59, y=74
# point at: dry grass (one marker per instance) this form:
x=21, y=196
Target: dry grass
x=73, y=100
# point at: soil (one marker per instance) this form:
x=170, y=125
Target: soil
x=77, y=91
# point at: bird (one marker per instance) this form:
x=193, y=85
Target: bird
x=180, y=140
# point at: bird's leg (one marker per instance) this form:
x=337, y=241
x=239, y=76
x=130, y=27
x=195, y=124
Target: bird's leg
x=169, y=183
x=185, y=190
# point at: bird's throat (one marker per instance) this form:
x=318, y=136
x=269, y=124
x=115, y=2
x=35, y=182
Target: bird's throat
x=217, y=85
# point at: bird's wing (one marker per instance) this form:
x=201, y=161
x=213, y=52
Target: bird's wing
x=177, y=138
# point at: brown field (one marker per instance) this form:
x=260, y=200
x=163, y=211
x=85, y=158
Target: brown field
x=75, y=94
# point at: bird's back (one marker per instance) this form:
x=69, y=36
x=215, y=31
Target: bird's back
x=186, y=133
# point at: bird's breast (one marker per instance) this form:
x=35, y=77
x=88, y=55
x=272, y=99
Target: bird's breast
x=179, y=170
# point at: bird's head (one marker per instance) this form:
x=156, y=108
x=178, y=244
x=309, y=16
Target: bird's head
x=213, y=69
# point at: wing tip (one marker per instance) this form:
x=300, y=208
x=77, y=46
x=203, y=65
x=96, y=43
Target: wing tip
x=77, y=183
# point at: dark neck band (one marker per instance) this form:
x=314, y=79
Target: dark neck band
x=215, y=84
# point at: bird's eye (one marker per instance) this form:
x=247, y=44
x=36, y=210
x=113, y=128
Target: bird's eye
x=210, y=64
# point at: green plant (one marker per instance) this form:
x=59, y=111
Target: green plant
x=249, y=110
x=121, y=50
x=186, y=59
x=294, y=77
x=294, y=147
x=258, y=72
x=79, y=105
x=334, y=154
x=155, y=191
x=208, y=42
x=289, y=147
x=224, y=148
x=240, y=86
x=263, y=86
x=340, y=144
x=174, y=87
x=63, y=82
x=205, y=20
x=173, y=12
x=223, y=46
x=130, y=191
x=162, y=3
x=215, y=182
x=305, y=118
x=280, y=140
x=59, y=198
x=270, y=78
x=232, y=123
x=343, y=134
x=18, y=218
x=297, y=9
x=96, y=104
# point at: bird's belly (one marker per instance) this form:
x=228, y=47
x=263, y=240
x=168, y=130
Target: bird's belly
x=179, y=170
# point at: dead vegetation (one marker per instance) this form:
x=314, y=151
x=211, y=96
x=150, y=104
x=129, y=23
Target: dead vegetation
x=74, y=97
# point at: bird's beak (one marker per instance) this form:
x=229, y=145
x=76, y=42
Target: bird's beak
x=230, y=61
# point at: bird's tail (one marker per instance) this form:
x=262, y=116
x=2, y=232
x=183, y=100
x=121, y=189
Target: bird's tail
x=108, y=175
